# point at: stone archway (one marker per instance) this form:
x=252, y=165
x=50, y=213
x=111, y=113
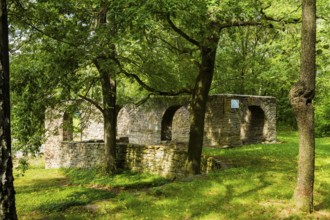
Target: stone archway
x=67, y=127
x=123, y=122
x=181, y=125
x=167, y=121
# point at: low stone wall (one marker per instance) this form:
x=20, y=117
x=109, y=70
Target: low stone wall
x=164, y=160
x=78, y=154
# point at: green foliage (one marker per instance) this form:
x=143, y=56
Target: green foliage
x=322, y=106
x=22, y=167
x=55, y=43
x=322, y=127
x=28, y=104
x=259, y=61
x=322, y=99
x=256, y=184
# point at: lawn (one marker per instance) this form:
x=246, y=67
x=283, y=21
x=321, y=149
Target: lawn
x=257, y=183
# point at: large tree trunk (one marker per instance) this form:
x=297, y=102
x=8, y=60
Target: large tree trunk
x=301, y=96
x=109, y=115
x=198, y=107
x=105, y=66
x=7, y=192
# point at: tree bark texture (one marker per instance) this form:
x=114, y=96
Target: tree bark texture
x=104, y=64
x=109, y=115
x=301, y=97
x=198, y=106
x=7, y=192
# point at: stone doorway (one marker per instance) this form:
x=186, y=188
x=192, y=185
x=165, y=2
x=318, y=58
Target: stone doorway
x=67, y=127
x=167, y=122
x=181, y=125
x=252, y=129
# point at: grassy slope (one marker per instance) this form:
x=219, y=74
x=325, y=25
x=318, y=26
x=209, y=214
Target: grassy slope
x=257, y=183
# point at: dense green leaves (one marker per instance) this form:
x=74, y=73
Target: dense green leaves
x=322, y=100
x=55, y=42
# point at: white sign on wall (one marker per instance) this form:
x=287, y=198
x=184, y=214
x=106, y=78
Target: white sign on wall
x=234, y=103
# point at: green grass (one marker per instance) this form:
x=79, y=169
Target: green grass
x=257, y=183
x=125, y=180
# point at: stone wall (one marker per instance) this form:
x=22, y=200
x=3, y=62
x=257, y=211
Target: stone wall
x=54, y=136
x=222, y=123
x=91, y=124
x=146, y=121
x=78, y=154
x=254, y=121
x=230, y=120
x=258, y=119
x=58, y=129
x=164, y=160
x=167, y=119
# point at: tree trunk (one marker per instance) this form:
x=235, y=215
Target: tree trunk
x=198, y=107
x=301, y=97
x=109, y=114
x=7, y=192
x=105, y=65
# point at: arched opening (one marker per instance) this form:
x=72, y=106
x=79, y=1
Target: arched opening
x=252, y=130
x=123, y=122
x=79, y=124
x=67, y=127
x=181, y=125
x=167, y=120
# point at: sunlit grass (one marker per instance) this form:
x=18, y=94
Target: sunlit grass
x=257, y=183
x=45, y=192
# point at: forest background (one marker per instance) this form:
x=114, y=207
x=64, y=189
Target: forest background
x=60, y=49
x=111, y=53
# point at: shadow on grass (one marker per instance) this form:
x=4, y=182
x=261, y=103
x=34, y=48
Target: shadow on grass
x=323, y=147
x=81, y=197
x=324, y=205
x=322, y=191
x=53, y=195
x=124, y=180
x=39, y=185
x=199, y=199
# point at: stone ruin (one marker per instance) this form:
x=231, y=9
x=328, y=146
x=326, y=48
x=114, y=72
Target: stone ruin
x=156, y=133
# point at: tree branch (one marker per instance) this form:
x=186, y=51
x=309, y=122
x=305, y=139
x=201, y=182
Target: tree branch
x=90, y=86
x=153, y=90
x=93, y=102
x=240, y=24
x=147, y=87
x=48, y=35
x=176, y=49
x=142, y=101
x=322, y=18
x=181, y=33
